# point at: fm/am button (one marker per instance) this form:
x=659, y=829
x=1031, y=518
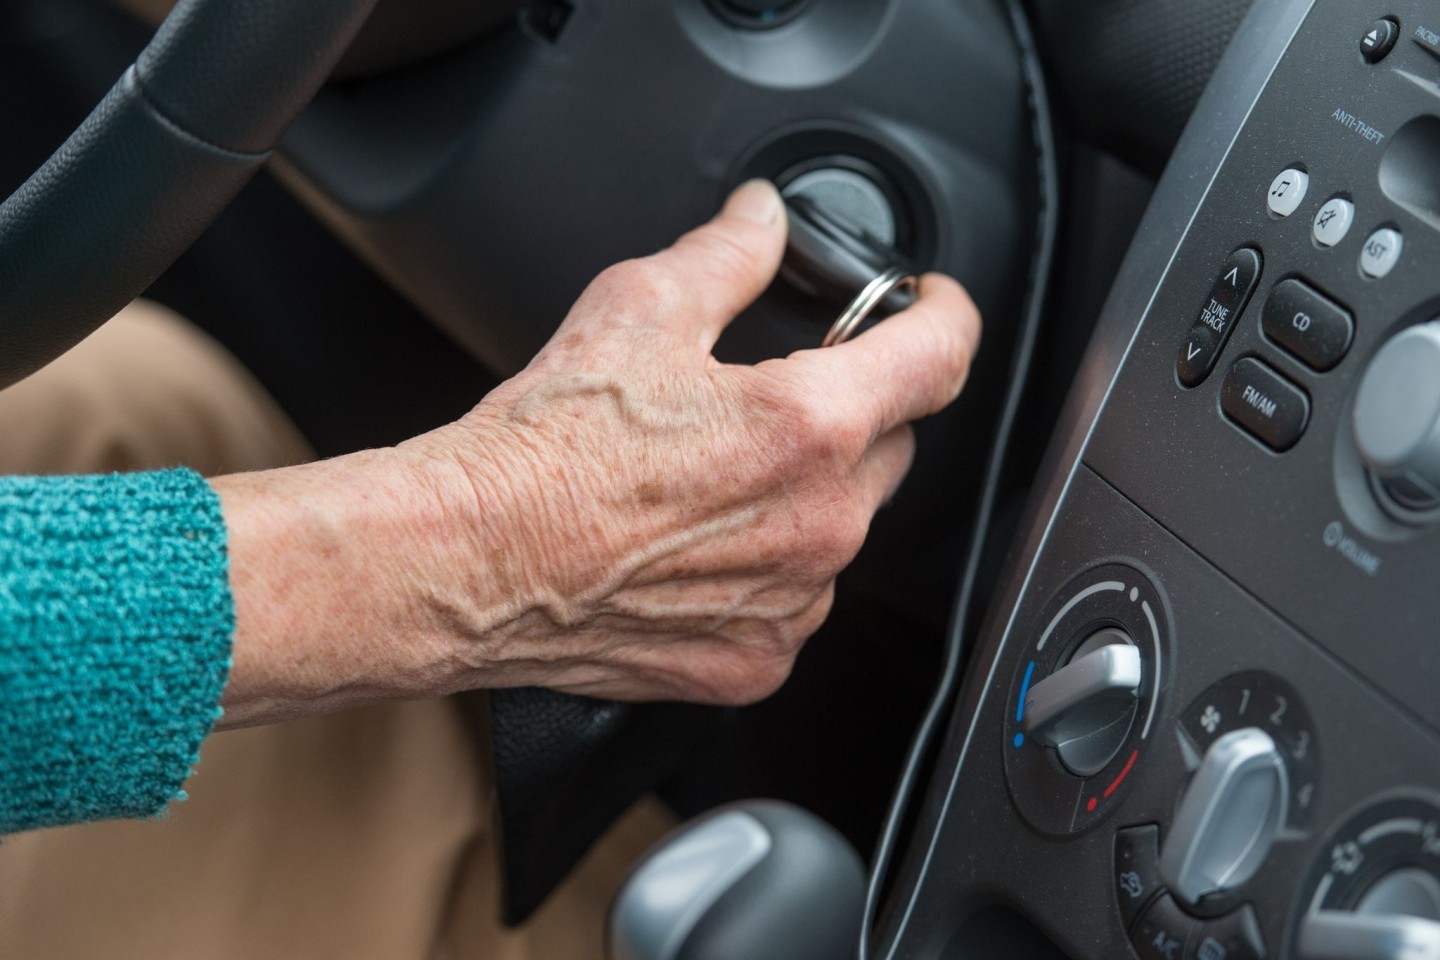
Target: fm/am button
x=1264, y=404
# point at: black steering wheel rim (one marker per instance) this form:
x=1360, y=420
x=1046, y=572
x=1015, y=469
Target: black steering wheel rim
x=185, y=127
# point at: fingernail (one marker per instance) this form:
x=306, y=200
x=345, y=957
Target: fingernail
x=755, y=200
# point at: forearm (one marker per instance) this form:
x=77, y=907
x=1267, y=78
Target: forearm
x=343, y=573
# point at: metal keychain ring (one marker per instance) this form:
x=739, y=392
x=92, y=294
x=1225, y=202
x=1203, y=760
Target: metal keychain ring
x=865, y=303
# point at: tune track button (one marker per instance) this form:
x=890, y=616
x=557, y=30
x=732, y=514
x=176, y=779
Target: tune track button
x=1229, y=294
x=1265, y=404
x=1312, y=327
x=1287, y=192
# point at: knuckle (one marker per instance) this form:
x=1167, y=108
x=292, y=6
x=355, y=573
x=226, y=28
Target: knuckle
x=822, y=430
x=831, y=538
x=637, y=287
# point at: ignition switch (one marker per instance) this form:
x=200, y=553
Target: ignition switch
x=844, y=232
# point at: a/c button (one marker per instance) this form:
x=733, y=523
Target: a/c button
x=1164, y=932
x=1265, y=404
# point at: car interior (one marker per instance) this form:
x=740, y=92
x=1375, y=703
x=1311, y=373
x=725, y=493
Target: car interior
x=1134, y=665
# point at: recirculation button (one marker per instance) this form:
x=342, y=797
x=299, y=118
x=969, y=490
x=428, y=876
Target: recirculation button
x=1222, y=307
x=1265, y=404
x=1137, y=870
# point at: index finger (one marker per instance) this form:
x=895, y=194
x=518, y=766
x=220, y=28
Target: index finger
x=909, y=366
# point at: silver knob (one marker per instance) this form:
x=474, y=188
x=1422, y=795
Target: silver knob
x=1397, y=417
x=760, y=880
x=1395, y=920
x=1084, y=709
x=1337, y=935
x=1229, y=816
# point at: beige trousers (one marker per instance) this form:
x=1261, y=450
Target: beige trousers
x=358, y=835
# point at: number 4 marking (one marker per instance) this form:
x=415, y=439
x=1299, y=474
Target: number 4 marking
x=1431, y=839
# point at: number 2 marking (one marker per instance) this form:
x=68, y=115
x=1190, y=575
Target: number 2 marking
x=1281, y=705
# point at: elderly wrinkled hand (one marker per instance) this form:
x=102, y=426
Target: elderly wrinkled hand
x=626, y=518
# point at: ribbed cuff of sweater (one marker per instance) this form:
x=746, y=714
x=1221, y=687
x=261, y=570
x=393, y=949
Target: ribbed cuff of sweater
x=115, y=628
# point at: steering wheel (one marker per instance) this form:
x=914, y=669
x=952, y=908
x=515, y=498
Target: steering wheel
x=174, y=140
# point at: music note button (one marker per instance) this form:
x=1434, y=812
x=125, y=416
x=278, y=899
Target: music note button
x=1287, y=192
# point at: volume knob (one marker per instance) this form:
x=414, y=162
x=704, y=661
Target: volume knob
x=1397, y=419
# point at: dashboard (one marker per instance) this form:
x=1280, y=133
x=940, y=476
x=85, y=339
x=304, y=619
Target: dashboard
x=1201, y=722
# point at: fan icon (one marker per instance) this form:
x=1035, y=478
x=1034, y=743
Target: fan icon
x=1210, y=719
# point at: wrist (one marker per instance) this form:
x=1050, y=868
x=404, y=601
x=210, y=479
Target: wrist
x=344, y=576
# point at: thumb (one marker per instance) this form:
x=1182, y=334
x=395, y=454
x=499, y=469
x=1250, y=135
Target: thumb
x=728, y=262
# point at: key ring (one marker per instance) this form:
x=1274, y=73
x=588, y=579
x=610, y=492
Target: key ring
x=865, y=303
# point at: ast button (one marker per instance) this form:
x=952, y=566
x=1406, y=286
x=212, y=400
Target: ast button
x=1315, y=329
x=1381, y=252
x=1222, y=306
x=1265, y=404
x=1137, y=876
x=1164, y=932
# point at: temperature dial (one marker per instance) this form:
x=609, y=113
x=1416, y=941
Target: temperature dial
x=1085, y=708
x=1377, y=894
x=1083, y=699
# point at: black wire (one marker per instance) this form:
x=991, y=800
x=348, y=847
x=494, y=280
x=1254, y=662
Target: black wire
x=1032, y=313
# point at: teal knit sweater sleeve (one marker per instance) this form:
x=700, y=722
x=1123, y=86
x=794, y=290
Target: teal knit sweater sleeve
x=115, y=626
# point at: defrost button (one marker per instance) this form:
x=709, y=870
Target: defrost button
x=1235, y=936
